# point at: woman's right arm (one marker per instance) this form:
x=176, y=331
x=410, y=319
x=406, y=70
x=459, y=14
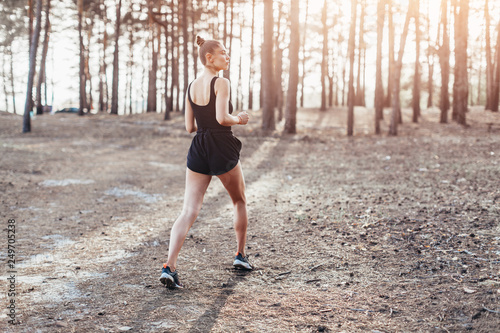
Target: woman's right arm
x=222, y=89
x=189, y=117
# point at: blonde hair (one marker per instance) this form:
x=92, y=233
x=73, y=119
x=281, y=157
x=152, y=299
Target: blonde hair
x=206, y=46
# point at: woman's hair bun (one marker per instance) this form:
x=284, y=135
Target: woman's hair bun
x=200, y=41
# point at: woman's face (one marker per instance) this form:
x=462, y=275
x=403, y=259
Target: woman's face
x=220, y=58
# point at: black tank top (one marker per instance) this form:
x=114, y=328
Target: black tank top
x=205, y=115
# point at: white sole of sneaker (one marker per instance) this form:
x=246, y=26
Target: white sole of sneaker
x=242, y=265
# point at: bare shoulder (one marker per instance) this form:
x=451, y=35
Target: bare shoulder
x=222, y=85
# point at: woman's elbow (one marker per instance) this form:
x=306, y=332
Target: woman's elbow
x=223, y=121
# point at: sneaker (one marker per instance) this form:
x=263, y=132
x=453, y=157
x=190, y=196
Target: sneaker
x=241, y=262
x=170, y=279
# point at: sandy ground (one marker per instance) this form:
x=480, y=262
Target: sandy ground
x=362, y=234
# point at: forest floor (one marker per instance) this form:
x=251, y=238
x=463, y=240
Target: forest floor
x=362, y=234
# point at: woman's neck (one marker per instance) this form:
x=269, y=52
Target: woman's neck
x=210, y=71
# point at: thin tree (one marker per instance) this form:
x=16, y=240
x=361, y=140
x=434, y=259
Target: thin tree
x=185, y=50
x=114, y=90
x=430, y=62
x=103, y=82
x=304, y=58
x=293, y=79
x=352, y=47
x=444, y=62
x=495, y=98
x=360, y=99
x=324, y=59
x=278, y=67
x=489, y=62
x=268, y=118
x=379, y=85
x=83, y=79
x=252, y=55
x=396, y=84
x=153, y=68
x=28, y=107
x=41, y=77
x=392, y=37
x=461, y=83
x=416, y=77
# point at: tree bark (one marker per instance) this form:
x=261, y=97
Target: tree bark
x=416, y=77
x=461, y=83
x=304, y=34
x=114, y=90
x=41, y=77
x=379, y=85
x=324, y=59
x=268, y=118
x=444, y=61
x=496, y=84
x=278, y=67
x=489, y=62
x=396, y=107
x=352, y=47
x=153, y=71
x=359, y=90
x=293, y=79
x=185, y=50
x=83, y=79
x=388, y=98
x=252, y=55
x=28, y=107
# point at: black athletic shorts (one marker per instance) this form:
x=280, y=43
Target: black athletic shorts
x=213, y=152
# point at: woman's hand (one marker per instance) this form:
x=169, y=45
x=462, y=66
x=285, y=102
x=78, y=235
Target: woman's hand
x=243, y=117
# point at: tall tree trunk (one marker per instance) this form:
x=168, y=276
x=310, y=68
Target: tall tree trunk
x=293, y=79
x=392, y=37
x=359, y=90
x=268, y=118
x=444, y=62
x=416, y=77
x=489, y=64
x=185, y=50
x=153, y=69
x=278, y=67
x=379, y=85
x=194, y=51
x=41, y=77
x=430, y=62
x=396, y=107
x=28, y=107
x=83, y=79
x=324, y=59
x=239, y=94
x=12, y=79
x=252, y=55
x=495, y=96
x=352, y=48
x=175, y=58
x=5, y=79
x=103, y=95
x=304, y=34
x=461, y=83
x=114, y=90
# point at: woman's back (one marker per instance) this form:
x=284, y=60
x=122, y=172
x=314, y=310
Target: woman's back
x=202, y=97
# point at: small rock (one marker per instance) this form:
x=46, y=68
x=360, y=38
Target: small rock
x=125, y=328
x=469, y=291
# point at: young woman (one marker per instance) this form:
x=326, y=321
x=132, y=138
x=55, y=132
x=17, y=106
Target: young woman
x=214, y=151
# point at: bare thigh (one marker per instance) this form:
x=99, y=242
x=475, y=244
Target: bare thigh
x=234, y=182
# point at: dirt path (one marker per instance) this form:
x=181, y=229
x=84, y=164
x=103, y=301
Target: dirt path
x=377, y=234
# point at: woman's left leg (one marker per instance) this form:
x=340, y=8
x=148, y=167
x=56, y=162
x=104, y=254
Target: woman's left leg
x=234, y=183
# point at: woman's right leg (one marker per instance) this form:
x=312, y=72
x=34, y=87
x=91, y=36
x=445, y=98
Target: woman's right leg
x=196, y=186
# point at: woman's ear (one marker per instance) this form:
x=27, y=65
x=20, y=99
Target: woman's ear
x=209, y=57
